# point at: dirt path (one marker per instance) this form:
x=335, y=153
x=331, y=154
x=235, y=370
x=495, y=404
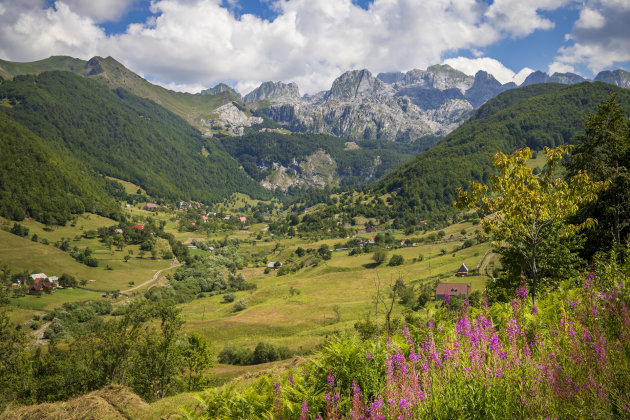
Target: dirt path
x=39, y=334
x=156, y=276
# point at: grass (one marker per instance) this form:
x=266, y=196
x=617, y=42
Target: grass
x=82, y=224
x=21, y=254
x=298, y=310
x=47, y=302
x=301, y=321
x=130, y=188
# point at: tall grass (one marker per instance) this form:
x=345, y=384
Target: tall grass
x=566, y=357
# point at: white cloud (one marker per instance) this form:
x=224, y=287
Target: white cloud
x=192, y=43
x=590, y=19
x=520, y=77
x=100, y=10
x=600, y=38
x=503, y=74
x=519, y=18
x=38, y=33
x=178, y=87
x=557, y=67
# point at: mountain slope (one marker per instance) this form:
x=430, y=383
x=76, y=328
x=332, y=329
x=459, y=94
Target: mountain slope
x=533, y=116
x=198, y=109
x=124, y=136
x=39, y=182
x=284, y=160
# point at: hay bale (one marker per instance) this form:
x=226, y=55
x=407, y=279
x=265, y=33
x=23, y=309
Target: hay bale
x=112, y=403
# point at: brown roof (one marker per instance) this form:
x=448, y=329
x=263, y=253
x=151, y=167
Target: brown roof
x=453, y=289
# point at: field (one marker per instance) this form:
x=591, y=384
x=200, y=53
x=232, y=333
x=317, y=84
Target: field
x=306, y=306
x=298, y=310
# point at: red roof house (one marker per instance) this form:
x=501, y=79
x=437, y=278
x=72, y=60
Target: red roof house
x=452, y=289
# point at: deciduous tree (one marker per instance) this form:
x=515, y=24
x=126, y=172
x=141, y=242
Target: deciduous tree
x=523, y=211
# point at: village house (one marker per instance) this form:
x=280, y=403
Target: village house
x=38, y=277
x=452, y=289
x=151, y=207
x=462, y=271
x=41, y=287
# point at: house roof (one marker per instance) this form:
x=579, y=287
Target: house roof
x=38, y=276
x=139, y=227
x=453, y=289
x=463, y=269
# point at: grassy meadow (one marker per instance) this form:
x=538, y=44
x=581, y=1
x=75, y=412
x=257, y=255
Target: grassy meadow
x=297, y=310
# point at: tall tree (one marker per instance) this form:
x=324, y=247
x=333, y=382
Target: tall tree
x=523, y=211
x=197, y=359
x=604, y=151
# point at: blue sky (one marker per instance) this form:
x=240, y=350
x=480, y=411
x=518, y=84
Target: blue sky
x=194, y=44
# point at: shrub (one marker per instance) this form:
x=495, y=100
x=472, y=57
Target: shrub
x=229, y=297
x=379, y=256
x=395, y=260
x=240, y=305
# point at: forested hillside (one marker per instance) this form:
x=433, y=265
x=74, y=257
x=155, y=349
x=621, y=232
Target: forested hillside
x=356, y=163
x=39, y=182
x=124, y=136
x=196, y=109
x=533, y=116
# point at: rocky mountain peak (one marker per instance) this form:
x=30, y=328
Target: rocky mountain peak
x=484, y=88
x=94, y=66
x=278, y=91
x=566, y=78
x=221, y=88
x=536, y=77
x=619, y=78
x=355, y=84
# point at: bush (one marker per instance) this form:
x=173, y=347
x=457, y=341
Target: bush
x=395, y=260
x=229, y=297
x=240, y=305
x=379, y=256
x=90, y=261
x=263, y=353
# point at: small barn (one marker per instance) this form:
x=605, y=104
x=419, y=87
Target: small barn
x=452, y=289
x=463, y=271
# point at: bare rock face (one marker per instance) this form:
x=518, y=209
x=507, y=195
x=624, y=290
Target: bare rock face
x=230, y=118
x=221, y=88
x=358, y=106
x=619, y=78
x=395, y=106
x=276, y=91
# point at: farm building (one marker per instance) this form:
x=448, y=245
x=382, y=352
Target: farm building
x=452, y=289
x=463, y=271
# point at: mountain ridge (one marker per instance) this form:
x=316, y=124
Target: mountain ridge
x=396, y=106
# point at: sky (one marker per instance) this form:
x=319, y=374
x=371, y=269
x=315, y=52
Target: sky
x=191, y=45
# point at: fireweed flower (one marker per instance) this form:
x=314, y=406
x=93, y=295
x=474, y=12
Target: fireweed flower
x=331, y=380
x=304, y=410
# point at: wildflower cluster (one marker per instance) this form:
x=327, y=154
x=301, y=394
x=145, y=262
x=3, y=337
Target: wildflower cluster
x=568, y=357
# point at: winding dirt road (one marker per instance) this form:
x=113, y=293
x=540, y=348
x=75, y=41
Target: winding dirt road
x=156, y=276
